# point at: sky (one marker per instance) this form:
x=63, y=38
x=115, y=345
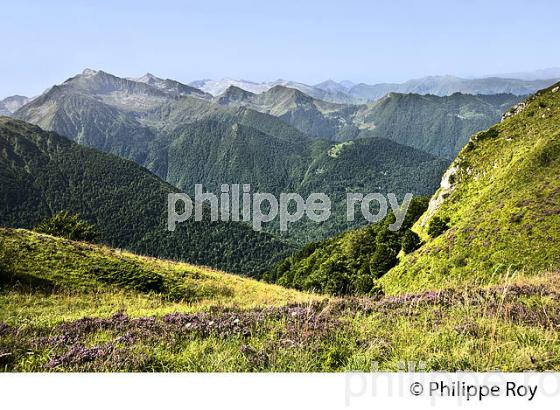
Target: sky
x=44, y=43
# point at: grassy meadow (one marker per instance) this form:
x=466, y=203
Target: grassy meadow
x=63, y=308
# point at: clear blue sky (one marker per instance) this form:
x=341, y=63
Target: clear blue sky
x=45, y=42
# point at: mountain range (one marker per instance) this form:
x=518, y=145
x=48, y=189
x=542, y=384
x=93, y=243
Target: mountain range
x=327, y=91
x=440, y=130
x=348, y=92
x=345, y=92
x=188, y=139
x=280, y=140
x=438, y=125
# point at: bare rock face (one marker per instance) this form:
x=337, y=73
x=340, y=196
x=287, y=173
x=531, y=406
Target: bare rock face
x=11, y=104
x=446, y=187
x=516, y=109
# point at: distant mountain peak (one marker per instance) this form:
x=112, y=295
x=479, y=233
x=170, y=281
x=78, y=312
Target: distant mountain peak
x=147, y=78
x=331, y=86
x=89, y=72
x=293, y=91
x=327, y=82
x=347, y=84
x=15, y=97
x=280, y=88
x=218, y=87
x=235, y=89
x=149, y=88
x=234, y=94
x=11, y=104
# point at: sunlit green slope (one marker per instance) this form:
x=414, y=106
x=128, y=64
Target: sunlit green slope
x=502, y=197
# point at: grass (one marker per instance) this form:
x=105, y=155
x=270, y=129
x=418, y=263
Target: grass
x=56, y=316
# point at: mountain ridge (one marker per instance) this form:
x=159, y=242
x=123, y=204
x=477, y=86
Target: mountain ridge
x=318, y=118
x=439, y=125
x=360, y=93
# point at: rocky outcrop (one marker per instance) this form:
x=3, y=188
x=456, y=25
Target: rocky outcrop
x=447, y=186
x=516, y=109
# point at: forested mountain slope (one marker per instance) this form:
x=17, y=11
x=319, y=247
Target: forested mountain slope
x=438, y=125
x=42, y=173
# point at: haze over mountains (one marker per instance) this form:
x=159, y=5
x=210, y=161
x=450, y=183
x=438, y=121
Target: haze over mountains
x=349, y=93
x=541, y=74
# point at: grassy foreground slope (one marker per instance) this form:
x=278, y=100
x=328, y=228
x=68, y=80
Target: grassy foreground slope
x=71, y=306
x=67, y=280
x=502, y=197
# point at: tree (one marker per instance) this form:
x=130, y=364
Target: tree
x=410, y=241
x=68, y=226
x=438, y=226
